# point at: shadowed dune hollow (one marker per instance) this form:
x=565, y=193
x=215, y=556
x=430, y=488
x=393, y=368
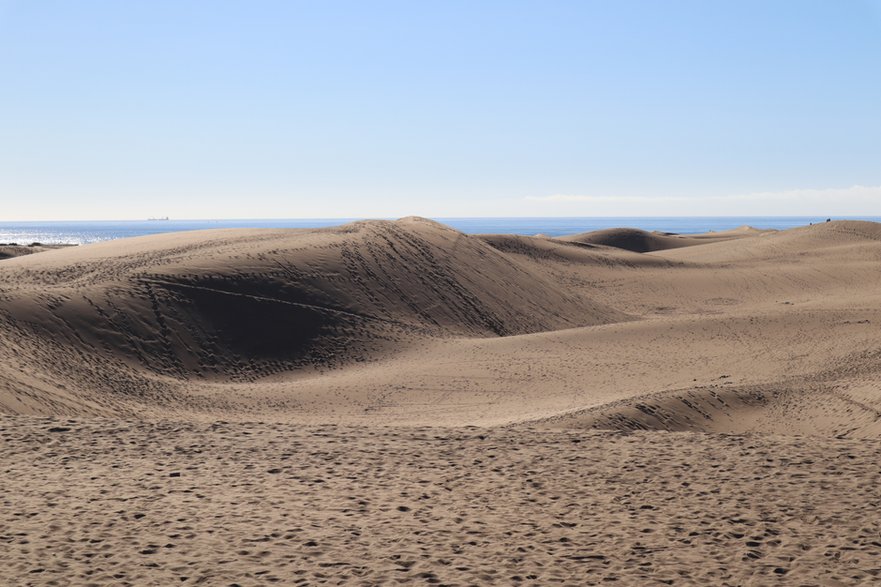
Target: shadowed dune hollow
x=412, y=322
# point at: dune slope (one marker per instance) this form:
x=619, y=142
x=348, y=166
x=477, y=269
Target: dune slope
x=411, y=322
x=238, y=305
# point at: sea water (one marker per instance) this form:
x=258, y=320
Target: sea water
x=83, y=232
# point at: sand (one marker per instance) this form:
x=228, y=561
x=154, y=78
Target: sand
x=135, y=503
x=9, y=250
x=641, y=241
x=397, y=402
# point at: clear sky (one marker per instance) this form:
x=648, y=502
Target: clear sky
x=259, y=109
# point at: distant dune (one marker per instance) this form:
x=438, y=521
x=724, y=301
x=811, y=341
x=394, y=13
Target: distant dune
x=333, y=374
x=9, y=250
x=539, y=248
x=640, y=241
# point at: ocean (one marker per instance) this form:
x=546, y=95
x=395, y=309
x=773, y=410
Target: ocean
x=83, y=232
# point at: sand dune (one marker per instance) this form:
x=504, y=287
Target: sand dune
x=641, y=241
x=600, y=370
x=411, y=322
x=538, y=248
x=240, y=305
x=826, y=239
x=10, y=250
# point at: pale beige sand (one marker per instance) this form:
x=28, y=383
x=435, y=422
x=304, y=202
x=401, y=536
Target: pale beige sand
x=376, y=330
x=9, y=250
x=135, y=503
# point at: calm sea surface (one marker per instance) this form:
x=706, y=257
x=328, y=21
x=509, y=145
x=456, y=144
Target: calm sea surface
x=88, y=232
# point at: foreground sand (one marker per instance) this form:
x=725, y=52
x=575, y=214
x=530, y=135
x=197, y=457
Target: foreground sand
x=167, y=503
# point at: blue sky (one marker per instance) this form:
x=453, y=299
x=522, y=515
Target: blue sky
x=115, y=110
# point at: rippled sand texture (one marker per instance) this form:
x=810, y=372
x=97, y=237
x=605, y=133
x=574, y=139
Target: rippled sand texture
x=132, y=503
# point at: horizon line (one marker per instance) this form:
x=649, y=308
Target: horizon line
x=525, y=217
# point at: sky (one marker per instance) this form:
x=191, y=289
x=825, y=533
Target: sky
x=323, y=109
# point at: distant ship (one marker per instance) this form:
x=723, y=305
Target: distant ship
x=157, y=219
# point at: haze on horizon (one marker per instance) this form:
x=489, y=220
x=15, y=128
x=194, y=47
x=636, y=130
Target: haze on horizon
x=345, y=109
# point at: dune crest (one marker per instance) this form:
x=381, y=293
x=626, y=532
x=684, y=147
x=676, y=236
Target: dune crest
x=641, y=241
